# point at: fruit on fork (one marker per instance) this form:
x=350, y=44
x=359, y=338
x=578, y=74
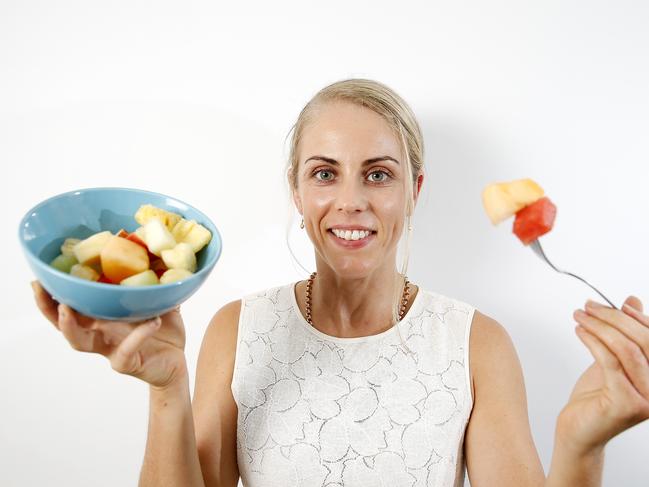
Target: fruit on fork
x=524, y=198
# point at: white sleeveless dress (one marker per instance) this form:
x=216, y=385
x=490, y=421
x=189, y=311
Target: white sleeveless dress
x=383, y=410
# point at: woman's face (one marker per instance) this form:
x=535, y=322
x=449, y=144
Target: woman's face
x=351, y=174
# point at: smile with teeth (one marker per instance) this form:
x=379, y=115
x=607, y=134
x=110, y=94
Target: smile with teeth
x=351, y=234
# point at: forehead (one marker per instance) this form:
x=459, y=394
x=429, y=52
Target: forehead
x=349, y=133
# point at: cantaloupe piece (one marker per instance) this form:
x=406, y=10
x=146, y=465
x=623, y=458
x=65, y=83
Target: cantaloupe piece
x=121, y=258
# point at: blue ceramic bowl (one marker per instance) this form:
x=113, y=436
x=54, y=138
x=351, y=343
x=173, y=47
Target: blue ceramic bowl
x=84, y=212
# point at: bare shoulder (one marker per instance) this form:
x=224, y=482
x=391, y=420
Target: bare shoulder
x=225, y=322
x=219, y=344
x=488, y=339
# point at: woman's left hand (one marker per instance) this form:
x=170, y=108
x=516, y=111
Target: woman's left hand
x=612, y=395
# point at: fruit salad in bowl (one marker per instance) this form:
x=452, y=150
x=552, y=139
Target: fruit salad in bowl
x=119, y=253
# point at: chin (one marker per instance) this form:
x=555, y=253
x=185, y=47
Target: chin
x=353, y=271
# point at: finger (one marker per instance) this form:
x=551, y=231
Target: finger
x=627, y=352
x=631, y=405
x=634, y=309
x=609, y=314
x=126, y=357
x=46, y=304
x=608, y=362
x=634, y=302
x=634, y=329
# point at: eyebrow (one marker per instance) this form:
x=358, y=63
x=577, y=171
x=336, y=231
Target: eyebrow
x=365, y=162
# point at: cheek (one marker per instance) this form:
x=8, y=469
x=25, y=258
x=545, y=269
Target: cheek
x=390, y=208
x=317, y=199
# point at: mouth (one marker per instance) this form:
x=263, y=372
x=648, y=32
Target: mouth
x=352, y=237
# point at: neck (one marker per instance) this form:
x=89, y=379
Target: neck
x=352, y=307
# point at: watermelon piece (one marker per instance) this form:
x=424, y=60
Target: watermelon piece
x=135, y=239
x=158, y=266
x=104, y=279
x=534, y=220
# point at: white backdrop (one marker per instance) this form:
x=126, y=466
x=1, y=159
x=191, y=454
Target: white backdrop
x=194, y=100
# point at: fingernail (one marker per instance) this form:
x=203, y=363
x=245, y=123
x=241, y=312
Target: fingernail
x=627, y=307
x=33, y=285
x=593, y=304
x=155, y=322
x=61, y=310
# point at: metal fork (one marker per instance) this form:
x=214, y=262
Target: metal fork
x=538, y=250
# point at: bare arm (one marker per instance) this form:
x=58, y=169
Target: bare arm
x=499, y=446
x=194, y=444
x=171, y=456
x=215, y=412
x=612, y=395
x=572, y=469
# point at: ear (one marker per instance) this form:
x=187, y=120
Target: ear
x=294, y=195
x=297, y=201
x=420, y=181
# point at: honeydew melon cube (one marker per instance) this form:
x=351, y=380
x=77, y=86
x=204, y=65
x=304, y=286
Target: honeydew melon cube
x=64, y=262
x=139, y=232
x=180, y=257
x=88, y=251
x=157, y=237
x=146, y=278
x=173, y=275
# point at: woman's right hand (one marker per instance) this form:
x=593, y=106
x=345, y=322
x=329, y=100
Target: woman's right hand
x=153, y=351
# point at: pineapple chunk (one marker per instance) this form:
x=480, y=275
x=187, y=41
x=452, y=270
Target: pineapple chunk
x=146, y=212
x=84, y=272
x=157, y=237
x=173, y=275
x=146, y=278
x=198, y=237
x=182, y=228
x=68, y=245
x=180, y=257
x=64, y=262
x=88, y=251
x=502, y=200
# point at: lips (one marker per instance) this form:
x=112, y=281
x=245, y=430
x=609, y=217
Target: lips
x=352, y=244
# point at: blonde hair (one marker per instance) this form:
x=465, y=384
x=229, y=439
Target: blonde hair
x=396, y=112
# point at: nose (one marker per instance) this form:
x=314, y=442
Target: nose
x=350, y=196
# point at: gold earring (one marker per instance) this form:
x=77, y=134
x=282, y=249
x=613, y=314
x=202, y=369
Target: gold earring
x=302, y=223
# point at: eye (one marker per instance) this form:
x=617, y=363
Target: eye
x=326, y=171
x=380, y=172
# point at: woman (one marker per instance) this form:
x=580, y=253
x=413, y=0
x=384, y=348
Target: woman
x=357, y=377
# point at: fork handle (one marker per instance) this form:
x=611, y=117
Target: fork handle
x=592, y=287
